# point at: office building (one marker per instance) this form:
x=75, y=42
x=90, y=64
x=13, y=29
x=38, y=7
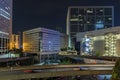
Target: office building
x=63, y=41
x=88, y=18
x=43, y=42
x=5, y=24
x=15, y=42
x=104, y=42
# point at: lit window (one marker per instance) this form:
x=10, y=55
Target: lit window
x=89, y=11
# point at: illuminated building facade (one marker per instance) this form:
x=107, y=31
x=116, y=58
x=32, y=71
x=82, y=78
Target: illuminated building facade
x=5, y=24
x=43, y=42
x=15, y=42
x=104, y=42
x=88, y=18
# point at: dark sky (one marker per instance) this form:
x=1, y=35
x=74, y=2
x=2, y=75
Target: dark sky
x=28, y=14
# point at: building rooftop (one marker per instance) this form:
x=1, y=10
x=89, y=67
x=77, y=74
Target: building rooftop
x=91, y=6
x=42, y=30
x=99, y=32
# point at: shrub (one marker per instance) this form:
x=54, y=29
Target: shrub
x=116, y=71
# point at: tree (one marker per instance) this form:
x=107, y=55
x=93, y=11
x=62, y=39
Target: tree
x=63, y=49
x=116, y=71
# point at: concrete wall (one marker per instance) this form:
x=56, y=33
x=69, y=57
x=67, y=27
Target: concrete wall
x=98, y=47
x=118, y=47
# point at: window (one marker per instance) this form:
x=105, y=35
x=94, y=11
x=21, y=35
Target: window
x=90, y=20
x=90, y=11
x=108, y=20
x=81, y=28
x=108, y=11
x=99, y=11
x=81, y=12
x=74, y=12
x=89, y=27
x=74, y=28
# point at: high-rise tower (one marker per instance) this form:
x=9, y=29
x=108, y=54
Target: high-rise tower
x=5, y=24
x=88, y=18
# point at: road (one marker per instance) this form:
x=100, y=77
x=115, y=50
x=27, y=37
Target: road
x=25, y=72
x=54, y=66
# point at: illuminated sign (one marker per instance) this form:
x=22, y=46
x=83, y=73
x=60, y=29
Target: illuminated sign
x=99, y=24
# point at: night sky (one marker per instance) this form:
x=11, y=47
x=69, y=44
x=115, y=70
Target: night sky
x=28, y=14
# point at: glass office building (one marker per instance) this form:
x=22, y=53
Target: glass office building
x=5, y=24
x=43, y=42
x=88, y=18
